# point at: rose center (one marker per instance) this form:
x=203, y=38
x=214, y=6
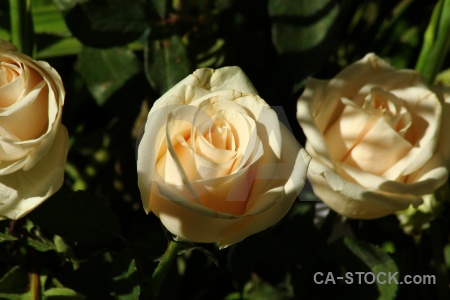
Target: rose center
x=220, y=136
x=8, y=72
x=386, y=105
x=370, y=133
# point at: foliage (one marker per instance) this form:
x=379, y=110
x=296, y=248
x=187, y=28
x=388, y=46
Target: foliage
x=92, y=240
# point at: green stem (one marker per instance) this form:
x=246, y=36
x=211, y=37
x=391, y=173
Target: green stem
x=35, y=287
x=163, y=267
x=436, y=42
x=22, y=35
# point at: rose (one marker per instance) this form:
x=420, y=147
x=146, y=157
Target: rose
x=376, y=136
x=215, y=163
x=33, y=143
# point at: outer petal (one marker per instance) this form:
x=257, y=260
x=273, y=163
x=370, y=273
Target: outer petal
x=427, y=116
x=315, y=112
x=361, y=76
x=188, y=224
x=422, y=182
x=231, y=78
x=183, y=92
x=353, y=200
x=151, y=147
x=228, y=78
x=22, y=191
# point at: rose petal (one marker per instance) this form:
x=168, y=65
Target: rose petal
x=30, y=120
x=271, y=136
x=315, y=113
x=11, y=83
x=197, y=224
x=216, y=155
x=151, y=148
x=183, y=92
x=353, y=200
x=428, y=116
x=8, y=167
x=348, y=130
x=371, y=71
x=268, y=208
x=10, y=148
x=23, y=190
x=231, y=78
x=245, y=133
x=421, y=182
x=429, y=177
x=253, y=103
x=208, y=80
x=375, y=152
x=222, y=147
x=191, y=168
x=228, y=194
x=186, y=219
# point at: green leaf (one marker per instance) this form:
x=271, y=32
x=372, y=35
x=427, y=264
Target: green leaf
x=444, y=77
x=354, y=255
x=305, y=33
x=436, y=42
x=48, y=19
x=61, y=246
x=61, y=294
x=126, y=280
x=22, y=31
x=77, y=216
x=4, y=237
x=447, y=255
x=53, y=38
x=166, y=63
x=5, y=22
x=66, y=46
x=91, y=277
x=24, y=296
x=15, y=281
x=212, y=57
x=106, y=71
x=258, y=289
x=104, y=23
x=160, y=7
x=41, y=245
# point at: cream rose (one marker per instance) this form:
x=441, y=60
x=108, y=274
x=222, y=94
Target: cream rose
x=377, y=136
x=33, y=143
x=214, y=163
